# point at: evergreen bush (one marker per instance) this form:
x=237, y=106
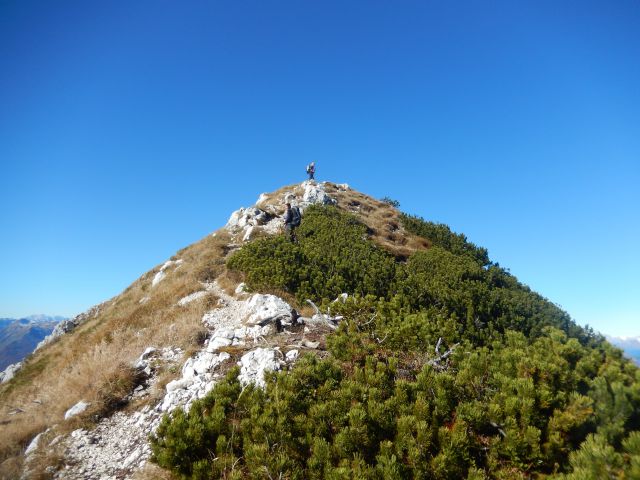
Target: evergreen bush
x=446, y=367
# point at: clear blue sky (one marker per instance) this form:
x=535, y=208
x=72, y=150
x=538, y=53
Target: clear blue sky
x=129, y=130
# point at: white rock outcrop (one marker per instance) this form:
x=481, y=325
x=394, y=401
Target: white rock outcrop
x=263, y=197
x=162, y=272
x=77, y=409
x=9, y=372
x=234, y=324
x=314, y=193
x=34, y=444
x=267, y=217
x=191, y=298
x=261, y=308
x=245, y=217
x=196, y=381
x=253, y=364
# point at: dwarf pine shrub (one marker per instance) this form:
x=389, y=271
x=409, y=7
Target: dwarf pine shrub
x=332, y=256
x=505, y=410
x=445, y=367
x=441, y=235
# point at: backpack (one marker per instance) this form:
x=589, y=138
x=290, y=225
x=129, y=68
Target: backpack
x=296, y=217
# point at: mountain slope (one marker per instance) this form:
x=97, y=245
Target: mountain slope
x=422, y=359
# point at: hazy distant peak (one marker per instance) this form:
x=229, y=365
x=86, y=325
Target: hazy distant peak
x=41, y=317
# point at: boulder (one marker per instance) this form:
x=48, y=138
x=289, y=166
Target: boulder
x=247, y=233
x=77, y=409
x=33, y=445
x=9, y=372
x=315, y=194
x=263, y=308
x=191, y=298
x=254, y=363
x=162, y=272
x=245, y=217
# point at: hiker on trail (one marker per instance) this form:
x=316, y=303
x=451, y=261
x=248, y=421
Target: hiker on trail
x=292, y=219
x=311, y=170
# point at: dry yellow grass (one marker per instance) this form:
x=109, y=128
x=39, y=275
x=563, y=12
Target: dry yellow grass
x=383, y=221
x=94, y=362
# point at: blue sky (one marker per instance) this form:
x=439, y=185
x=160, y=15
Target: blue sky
x=129, y=130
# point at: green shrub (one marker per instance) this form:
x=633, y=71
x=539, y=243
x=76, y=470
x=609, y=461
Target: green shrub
x=511, y=407
x=520, y=389
x=390, y=201
x=440, y=235
x=332, y=256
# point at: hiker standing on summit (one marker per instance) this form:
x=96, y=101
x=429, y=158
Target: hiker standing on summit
x=311, y=170
x=292, y=219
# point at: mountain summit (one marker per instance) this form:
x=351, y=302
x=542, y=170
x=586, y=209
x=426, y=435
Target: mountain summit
x=375, y=345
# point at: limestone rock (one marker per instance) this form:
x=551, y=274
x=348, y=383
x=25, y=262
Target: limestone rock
x=247, y=233
x=162, y=272
x=261, y=308
x=77, y=409
x=245, y=217
x=261, y=198
x=315, y=194
x=191, y=298
x=254, y=363
x=118, y=446
x=196, y=381
x=33, y=445
x=9, y=372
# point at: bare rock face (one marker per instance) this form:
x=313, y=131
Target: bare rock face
x=245, y=217
x=77, y=409
x=262, y=308
x=314, y=193
x=245, y=222
x=162, y=273
x=254, y=363
x=9, y=372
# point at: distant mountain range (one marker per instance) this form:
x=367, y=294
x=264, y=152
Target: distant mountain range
x=19, y=336
x=630, y=345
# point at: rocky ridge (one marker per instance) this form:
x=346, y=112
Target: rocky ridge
x=257, y=332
